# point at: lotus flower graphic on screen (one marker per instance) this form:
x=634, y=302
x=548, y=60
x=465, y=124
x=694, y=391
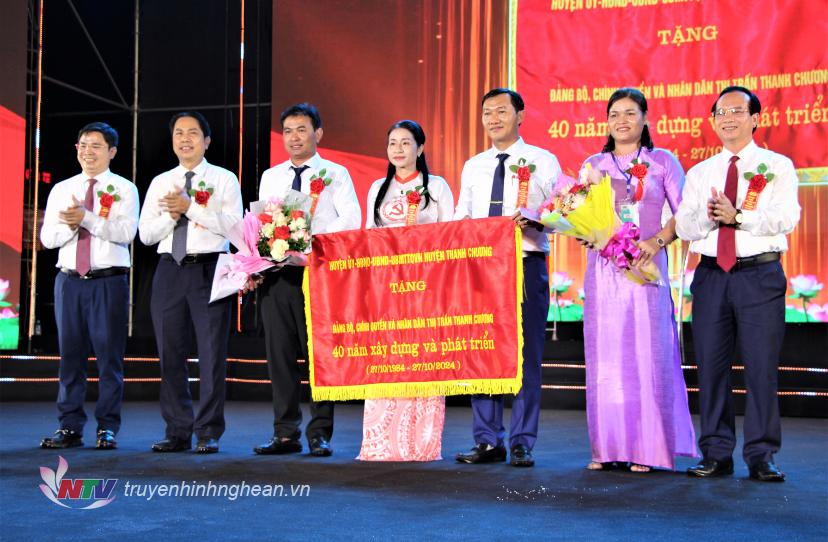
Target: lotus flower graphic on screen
x=560, y=282
x=806, y=287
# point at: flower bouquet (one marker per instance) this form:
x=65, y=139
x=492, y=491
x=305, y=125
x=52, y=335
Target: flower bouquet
x=273, y=233
x=584, y=208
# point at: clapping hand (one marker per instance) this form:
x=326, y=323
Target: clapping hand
x=175, y=203
x=720, y=209
x=73, y=215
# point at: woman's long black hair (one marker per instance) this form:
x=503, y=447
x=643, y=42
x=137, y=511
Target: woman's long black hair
x=638, y=97
x=422, y=166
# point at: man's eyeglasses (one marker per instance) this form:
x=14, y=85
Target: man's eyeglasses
x=737, y=112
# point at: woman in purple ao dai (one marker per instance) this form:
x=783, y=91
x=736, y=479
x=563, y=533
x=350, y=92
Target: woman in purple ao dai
x=637, y=409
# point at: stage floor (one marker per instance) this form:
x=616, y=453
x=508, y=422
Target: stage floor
x=343, y=499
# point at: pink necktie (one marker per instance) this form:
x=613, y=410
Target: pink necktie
x=726, y=250
x=83, y=262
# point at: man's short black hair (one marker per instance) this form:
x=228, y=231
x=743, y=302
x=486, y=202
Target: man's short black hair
x=108, y=132
x=517, y=100
x=754, y=106
x=302, y=110
x=202, y=122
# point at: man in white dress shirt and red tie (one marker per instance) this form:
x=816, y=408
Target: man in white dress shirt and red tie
x=486, y=190
x=187, y=211
x=737, y=207
x=281, y=299
x=92, y=218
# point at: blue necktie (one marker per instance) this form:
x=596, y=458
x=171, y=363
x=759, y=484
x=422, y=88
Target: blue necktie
x=179, y=240
x=496, y=202
x=297, y=177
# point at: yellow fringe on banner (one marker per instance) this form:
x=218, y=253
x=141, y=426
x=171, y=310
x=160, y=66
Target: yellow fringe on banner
x=519, y=287
x=308, y=323
x=416, y=389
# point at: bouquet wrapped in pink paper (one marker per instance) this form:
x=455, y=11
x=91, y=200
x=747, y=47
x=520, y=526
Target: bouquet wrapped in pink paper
x=584, y=208
x=273, y=233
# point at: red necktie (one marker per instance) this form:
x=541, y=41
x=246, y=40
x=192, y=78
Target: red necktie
x=726, y=250
x=83, y=263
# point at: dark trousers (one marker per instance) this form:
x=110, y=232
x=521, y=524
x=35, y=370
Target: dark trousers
x=744, y=308
x=488, y=409
x=286, y=337
x=91, y=316
x=180, y=301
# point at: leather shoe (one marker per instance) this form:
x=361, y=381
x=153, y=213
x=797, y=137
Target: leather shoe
x=105, y=440
x=207, y=446
x=522, y=456
x=710, y=468
x=63, y=438
x=279, y=446
x=320, y=447
x=482, y=453
x=172, y=444
x=766, y=471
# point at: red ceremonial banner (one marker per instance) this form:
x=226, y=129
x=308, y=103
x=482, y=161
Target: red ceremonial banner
x=567, y=57
x=416, y=311
x=570, y=55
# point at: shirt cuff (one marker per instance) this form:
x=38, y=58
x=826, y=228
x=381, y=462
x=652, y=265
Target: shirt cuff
x=749, y=219
x=195, y=211
x=90, y=220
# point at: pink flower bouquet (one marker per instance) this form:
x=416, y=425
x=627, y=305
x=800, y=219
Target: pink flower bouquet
x=274, y=233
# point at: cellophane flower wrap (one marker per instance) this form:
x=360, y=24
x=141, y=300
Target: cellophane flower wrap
x=584, y=208
x=273, y=233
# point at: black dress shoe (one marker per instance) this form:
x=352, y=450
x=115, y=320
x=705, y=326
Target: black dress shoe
x=279, y=446
x=709, y=468
x=172, y=444
x=522, y=456
x=766, y=471
x=207, y=446
x=63, y=438
x=105, y=440
x=482, y=453
x=320, y=447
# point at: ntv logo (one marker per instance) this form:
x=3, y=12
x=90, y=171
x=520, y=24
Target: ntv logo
x=58, y=489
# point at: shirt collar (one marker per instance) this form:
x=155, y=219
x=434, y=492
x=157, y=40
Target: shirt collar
x=99, y=178
x=744, y=154
x=313, y=162
x=512, y=150
x=199, y=170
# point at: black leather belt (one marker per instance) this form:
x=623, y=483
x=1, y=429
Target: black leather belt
x=207, y=257
x=534, y=254
x=744, y=263
x=96, y=273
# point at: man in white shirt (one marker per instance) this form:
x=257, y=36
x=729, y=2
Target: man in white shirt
x=281, y=299
x=187, y=211
x=737, y=207
x=489, y=188
x=92, y=218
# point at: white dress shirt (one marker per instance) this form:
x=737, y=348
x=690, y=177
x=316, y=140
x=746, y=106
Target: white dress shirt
x=478, y=176
x=762, y=229
x=337, y=208
x=110, y=236
x=394, y=206
x=207, y=224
